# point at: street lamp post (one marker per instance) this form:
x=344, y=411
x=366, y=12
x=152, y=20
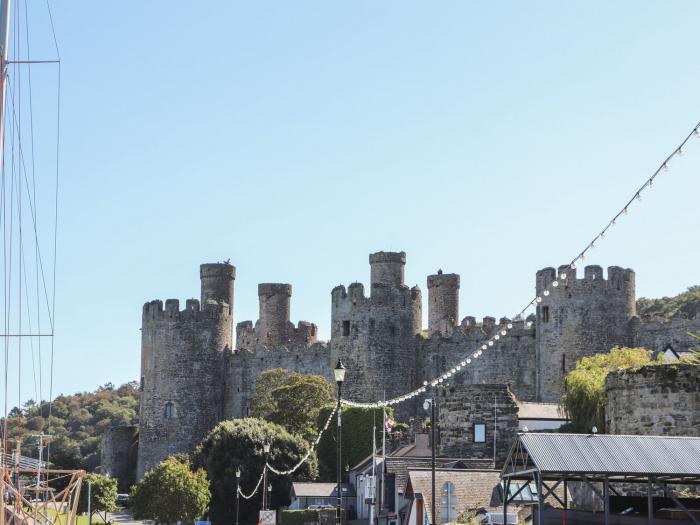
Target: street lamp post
x=429, y=404
x=238, y=491
x=266, y=450
x=339, y=373
x=269, y=493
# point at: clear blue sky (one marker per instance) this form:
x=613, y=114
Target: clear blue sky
x=489, y=139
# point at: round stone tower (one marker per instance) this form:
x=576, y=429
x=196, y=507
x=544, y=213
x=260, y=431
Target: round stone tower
x=443, y=302
x=579, y=318
x=387, y=268
x=182, y=368
x=273, y=324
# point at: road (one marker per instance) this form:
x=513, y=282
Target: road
x=123, y=517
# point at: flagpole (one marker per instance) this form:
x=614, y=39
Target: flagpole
x=381, y=485
x=374, y=474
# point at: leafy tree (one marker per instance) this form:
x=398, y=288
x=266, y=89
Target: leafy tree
x=103, y=494
x=239, y=443
x=262, y=404
x=357, y=438
x=686, y=303
x=291, y=399
x=171, y=492
x=584, y=395
x=77, y=423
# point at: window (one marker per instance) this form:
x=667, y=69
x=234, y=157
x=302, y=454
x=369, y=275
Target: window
x=448, y=503
x=479, y=433
x=545, y=314
x=169, y=410
x=563, y=364
x=346, y=328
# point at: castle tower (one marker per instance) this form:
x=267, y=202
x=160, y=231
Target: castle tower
x=579, y=318
x=443, y=302
x=387, y=268
x=182, y=367
x=374, y=335
x=273, y=324
x=217, y=282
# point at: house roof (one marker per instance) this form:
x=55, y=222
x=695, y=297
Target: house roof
x=548, y=411
x=473, y=488
x=607, y=455
x=400, y=466
x=321, y=490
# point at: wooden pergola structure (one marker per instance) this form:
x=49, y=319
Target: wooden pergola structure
x=549, y=460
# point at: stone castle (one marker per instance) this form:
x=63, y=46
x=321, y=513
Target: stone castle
x=193, y=375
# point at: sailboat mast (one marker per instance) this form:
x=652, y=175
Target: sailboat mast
x=4, y=41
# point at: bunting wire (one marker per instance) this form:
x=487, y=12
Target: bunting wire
x=303, y=460
x=503, y=330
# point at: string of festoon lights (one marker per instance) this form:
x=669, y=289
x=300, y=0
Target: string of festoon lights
x=303, y=460
x=504, y=329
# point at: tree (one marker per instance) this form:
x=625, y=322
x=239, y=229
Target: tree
x=171, y=492
x=239, y=443
x=291, y=399
x=357, y=438
x=584, y=393
x=686, y=303
x=103, y=494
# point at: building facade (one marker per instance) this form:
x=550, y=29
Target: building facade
x=193, y=375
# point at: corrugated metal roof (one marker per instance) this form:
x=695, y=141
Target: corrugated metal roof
x=601, y=453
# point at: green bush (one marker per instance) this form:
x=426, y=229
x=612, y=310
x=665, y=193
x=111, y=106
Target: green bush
x=584, y=394
x=239, y=443
x=299, y=517
x=357, y=438
x=171, y=492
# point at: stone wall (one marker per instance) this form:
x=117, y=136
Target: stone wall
x=463, y=406
x=245, y=366
x=182, y=368
x=659, y=334
x=579, y=318
x=118, y=455
x=511, y=361
x=659, y=400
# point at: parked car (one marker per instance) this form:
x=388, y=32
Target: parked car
x=123, y=500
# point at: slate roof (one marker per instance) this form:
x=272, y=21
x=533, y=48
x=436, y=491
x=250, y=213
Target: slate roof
x=321, y=490
x=400, y=466
x=611, y=454
x=473, y=488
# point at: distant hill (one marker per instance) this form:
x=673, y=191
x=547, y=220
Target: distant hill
x=77, y=423
x=687, y=303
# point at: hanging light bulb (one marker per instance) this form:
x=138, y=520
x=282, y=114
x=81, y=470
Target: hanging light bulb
x=556, y=283
x=639, y=196
x=469, y=361
x=503, y=332
x=679, y=152
x=625, y=210
x=573, y=265
x=539, y=299
x=510, y=326
x=664, y=167
x=695, y=132
x=651, y=182
x=546, y=293
x=528, y=324
x=483, y=347
x=497, y=337
x=490, y=344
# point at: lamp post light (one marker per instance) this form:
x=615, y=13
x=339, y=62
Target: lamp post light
x=266, y=450
x=238, y=491
x=339, y=373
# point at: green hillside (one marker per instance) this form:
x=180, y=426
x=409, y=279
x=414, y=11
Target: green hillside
x=687, y=303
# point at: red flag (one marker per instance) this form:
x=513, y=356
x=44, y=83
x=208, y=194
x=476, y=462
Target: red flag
x=388, y=422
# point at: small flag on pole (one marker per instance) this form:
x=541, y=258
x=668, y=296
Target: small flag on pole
x=388, y=422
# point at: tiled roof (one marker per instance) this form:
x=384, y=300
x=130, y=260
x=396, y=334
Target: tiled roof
x=473, y=488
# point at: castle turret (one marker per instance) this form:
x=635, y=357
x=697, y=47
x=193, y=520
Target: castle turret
x=387, y=268
x=374, y=335
x=182, y=368
x=217, y=282
x=578, y=318
x=443, y=302
x=273, y=321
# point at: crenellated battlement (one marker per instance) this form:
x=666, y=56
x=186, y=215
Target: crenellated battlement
x=619, y=279
x=156, y=311
x=475, y=330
